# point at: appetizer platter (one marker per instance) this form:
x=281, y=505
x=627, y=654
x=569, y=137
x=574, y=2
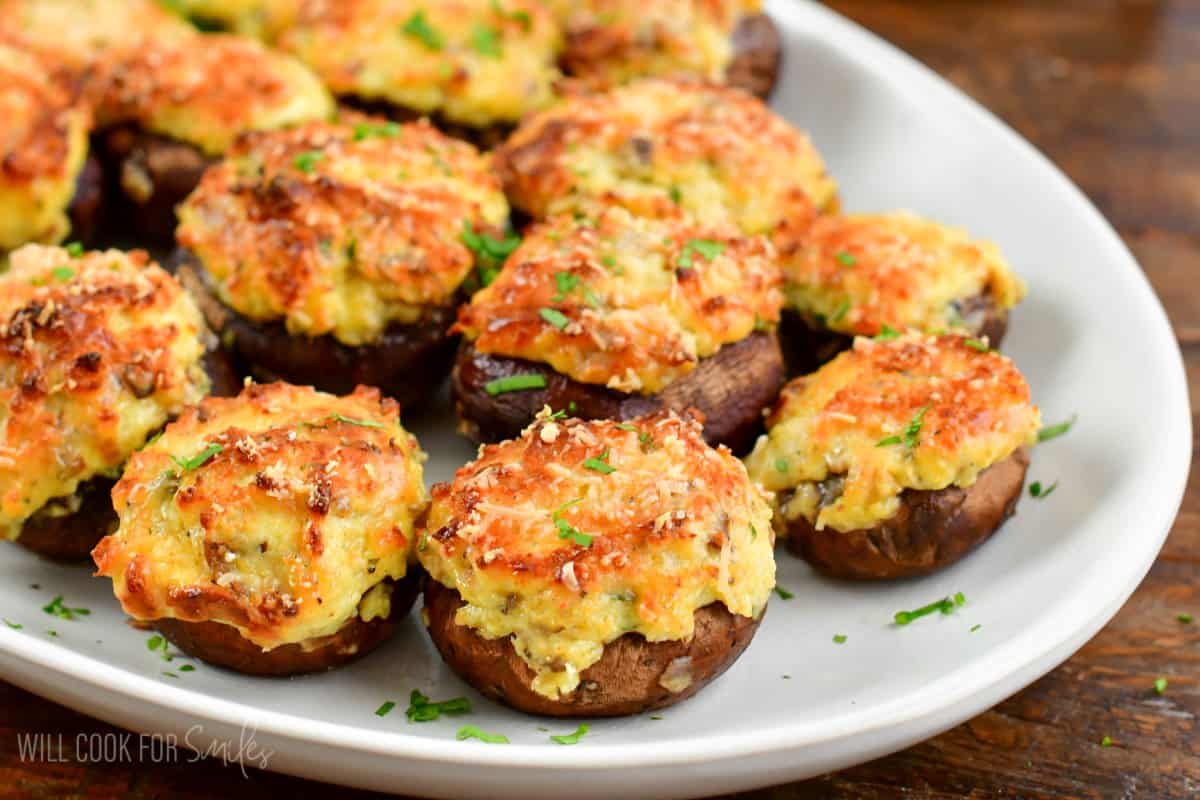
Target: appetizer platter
x=483, y=397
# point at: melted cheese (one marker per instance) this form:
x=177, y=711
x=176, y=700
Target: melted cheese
x=43, y=144
x=675, y=526
x=207, y=89
x=305, y=505
x=611, y=42
x=342, y=228
x=918, y=412
x=660, y=148
x=626, y=302
x=858, y=273
x=96, y=354
x=475, y=62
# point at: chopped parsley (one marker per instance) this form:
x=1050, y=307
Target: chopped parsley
x=565, y=282
x=1160, y=685
x=63, y=274
x=306, y=162
x=471, y=732
x=55, y=608
x=975, y=627
x=839, y=638
x=977, y=344
x=365, y=130
x=1106, y=741
x=571, y=738
x=422, y=709
x=555, y=317
x=186, y=668
x=161, y=647
x=675, y=194
x=490, y=253
x=600, y=464
x=74, y=249
x=841, y=312
x=783, y=593
x=946, y=605
x=362, y=423
x=887, y=333
x=418, y=27
x=385, y=709
x=781, y=465
x=845, y=259
x=519, y=16
x=170, y=675
x=912, y=433
x=705, y=248
x=1041, y=492
x=16, y=626
x=753, y=532
x=515, y=383
x=1185, y=618
x=568, y=531
x=486, y=41
x=646, y=440
x=1054, y=431
x=198, y=460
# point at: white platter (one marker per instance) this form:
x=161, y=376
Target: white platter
x=1092, y=339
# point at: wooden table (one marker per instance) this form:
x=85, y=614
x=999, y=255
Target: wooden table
x=1110, y=89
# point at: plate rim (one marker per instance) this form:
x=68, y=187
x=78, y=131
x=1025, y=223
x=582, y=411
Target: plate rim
x=1025, y=657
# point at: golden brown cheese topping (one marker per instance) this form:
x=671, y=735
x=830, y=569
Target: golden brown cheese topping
x=917, y=412
x=474, y=62
x=97, y=352
x=660, y=148
x=283, y=512
x=43, y=144
x=342, y=228
x=206, y=89
x=611, y=42
x=857, y=273
x=626, y=302
x=580, y=532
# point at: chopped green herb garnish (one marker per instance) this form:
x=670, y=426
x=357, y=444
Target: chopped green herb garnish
x=421, y=709
x=846, y=259
x=555, y=317
x=486, y=41
x=977, y=344
x=560, y=414
x=385, y=709
x=1037, y=490
x=946, y=605
x=706, y=248
x=490, y=253
x=841, y=312
x=306, y=162
x=74, y=249
x=1054, y=431
x=839, y=638
x=888, y=441
x=170, y=675
x=783, y=593
x=975, y=627
x=1106, y=742
x=1185, y=618
x=198, y=460
x=912, y=433
x=186, y=668
x=362, y=423
x=16, y=626
x=55, y=608
x=753, y=532
x=515, y=383
x=600, y=464
x=1160, y=685
x=565, y=283
x=418, y=27
x=655, y=716
x=781, y=465
x=571, y=738
x=519, y=16
x=365, y=130
x=63, y=274
x=158, y=645
x=887, y=333
x=471, y=732
x=675, y=194
x=568, y=531
x=52, y=633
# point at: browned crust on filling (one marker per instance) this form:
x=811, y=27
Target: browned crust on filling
x=408, y=363
x=930, y=531
x=807, y=346
x=757, y=56
x=223, y=646
x=730, y=388
x=626, y=679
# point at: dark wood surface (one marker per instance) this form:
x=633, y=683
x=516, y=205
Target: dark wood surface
x=1110, y=90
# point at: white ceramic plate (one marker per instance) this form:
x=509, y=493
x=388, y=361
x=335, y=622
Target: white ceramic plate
x=1092, y=339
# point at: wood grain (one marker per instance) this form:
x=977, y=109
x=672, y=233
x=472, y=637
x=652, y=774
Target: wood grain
x=1110, y=90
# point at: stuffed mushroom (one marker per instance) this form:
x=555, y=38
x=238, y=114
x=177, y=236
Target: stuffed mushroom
x=333, y=254
x=596, y=568
x=611, y=42
x=619, y=316
x=475, y=66
x=898, y=456
x=271, y=533
x=865, y=274
x=666, y=148
x=97, y=352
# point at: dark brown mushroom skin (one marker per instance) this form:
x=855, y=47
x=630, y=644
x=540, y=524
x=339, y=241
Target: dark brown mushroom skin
x=224, y=646
x=626, y=679
x=807, y=345
x=408, y=363
x=932, y=529
x=757, y=56
x=146, y=177
x=71, y=536
x=730, y=388
x=86, y=210
x=485, y=138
